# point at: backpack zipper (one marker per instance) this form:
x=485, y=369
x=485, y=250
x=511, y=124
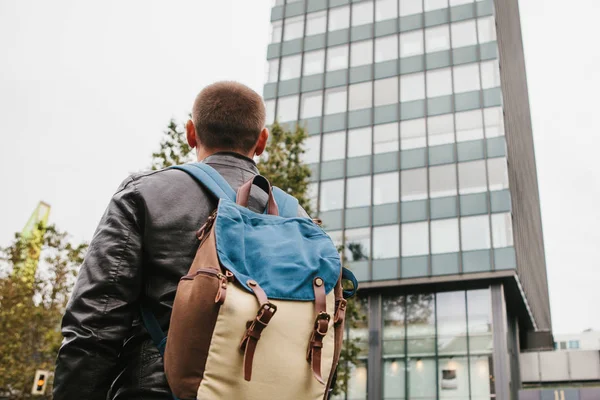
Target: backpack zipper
x=204, y=271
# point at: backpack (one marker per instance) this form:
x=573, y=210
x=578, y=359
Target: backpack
x=260, y=314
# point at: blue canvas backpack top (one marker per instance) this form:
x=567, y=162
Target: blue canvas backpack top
x=260, y=314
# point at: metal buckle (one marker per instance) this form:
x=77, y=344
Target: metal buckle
x=322, y=316
x=261, y=312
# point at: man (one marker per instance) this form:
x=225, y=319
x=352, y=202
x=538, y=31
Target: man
x=144, y=244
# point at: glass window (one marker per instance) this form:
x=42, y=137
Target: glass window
x=573, y=344
x=386, y=9
x=444, y=236
x=287, y=108
x=357, y=380
x=335, y=100
x=313, y=195
x=359, y=142
x=439, y=82
x=414, y=184
x=272, y=70
x=469, y=125
x=459, y=2
x=494, y=122
x=464, y=33
x=502, y=233
x=316, y=23
x=394, y=374
x=479, y=309
x=361, y=53
x=497, y=173
x=386, y=48
x=410, y=7
x=412, y=87
x=293, y=28
x=385, y=241
x=420, y=331
x=358, y=244
x=312, y=150
x=411, y=43
x=422, y=374
x=413, y=134
x=394, y=331
x=336, y=237
x=435, y=4
x=490, y=74
x=437, y=38
x=386, y=91
x=358, y=192
x=385, y=188
x=332, y=195
x=442, y=180
x=362, y=13
x=334, y=146
x=451, y=314
x=339, y=18
x=276, y=31
x=471, y=177
x=415, y=239
x=466, y=78
x=475, y=232
x=486, y=28
x=385, y=138
x=290, y=67
x=360, y=96
x=337, y=58
x=441, y=129
x=270, y=111
x=311, y=104
x=563, y=345
x=314, y=62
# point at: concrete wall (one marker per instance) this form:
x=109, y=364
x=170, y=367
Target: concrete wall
x=560, y=366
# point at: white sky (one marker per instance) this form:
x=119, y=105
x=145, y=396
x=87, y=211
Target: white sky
x=87, y=87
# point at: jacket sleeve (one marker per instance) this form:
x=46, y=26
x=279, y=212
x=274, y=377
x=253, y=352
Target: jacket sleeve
x=99, y=315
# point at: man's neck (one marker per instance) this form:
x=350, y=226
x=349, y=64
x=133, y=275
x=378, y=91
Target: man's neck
x=201, y=154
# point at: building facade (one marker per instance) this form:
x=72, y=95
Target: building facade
x=423, y=168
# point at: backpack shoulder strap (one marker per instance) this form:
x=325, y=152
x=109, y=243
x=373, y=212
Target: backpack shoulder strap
x=287, y=204
x=210, y=178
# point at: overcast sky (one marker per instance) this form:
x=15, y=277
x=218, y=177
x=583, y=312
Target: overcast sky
x=87, y=87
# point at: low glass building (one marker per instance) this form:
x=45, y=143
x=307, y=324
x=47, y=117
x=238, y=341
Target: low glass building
x=423, y=168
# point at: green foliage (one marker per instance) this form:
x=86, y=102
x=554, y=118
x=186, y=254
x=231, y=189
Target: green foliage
x=282, y=163
x=174, y=149
x=32, y=305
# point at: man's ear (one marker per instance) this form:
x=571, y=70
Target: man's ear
x=263, y=137
x=190, y=133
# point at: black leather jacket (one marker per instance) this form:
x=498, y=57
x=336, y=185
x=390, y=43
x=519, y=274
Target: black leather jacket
x=144, y=243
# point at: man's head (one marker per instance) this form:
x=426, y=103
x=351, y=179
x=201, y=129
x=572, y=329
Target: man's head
x=227, y=116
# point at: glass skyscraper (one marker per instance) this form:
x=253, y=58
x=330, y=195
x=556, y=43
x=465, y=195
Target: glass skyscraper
x=423, y=168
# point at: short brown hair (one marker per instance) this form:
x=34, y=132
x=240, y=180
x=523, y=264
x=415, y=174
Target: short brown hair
x=228, y=115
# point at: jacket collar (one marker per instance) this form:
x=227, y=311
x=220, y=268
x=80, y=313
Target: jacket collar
x=232, y=159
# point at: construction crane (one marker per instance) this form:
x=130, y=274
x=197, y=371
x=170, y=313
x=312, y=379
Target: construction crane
x=33, y=235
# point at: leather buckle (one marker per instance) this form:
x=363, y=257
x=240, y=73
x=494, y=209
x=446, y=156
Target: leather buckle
x=262, y=313
x=322, y=322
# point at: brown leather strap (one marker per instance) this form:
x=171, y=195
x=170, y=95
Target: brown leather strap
x=254, y=328
x=313, y=354
x=340, y=312
x=243, y=194
x=222, y=292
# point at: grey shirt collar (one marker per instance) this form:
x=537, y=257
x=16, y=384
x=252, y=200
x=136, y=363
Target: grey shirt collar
x=232, y=159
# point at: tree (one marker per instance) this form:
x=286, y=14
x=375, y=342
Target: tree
x=282, y=165
x=174, y=149
x=31, y=308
